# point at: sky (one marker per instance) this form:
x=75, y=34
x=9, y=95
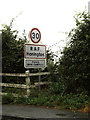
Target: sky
x=53, y=18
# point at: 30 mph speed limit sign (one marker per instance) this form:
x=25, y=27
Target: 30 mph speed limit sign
x=35, y=35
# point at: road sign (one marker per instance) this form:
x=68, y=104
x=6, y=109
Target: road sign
x=28, y=63
x=32, y=51
x=34, y=56
x=35, y=35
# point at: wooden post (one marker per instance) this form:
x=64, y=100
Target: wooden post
x=27, y=82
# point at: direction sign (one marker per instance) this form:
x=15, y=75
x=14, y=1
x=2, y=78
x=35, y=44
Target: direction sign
x=35, y=35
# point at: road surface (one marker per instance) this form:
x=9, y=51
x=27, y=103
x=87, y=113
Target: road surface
x=32, y=112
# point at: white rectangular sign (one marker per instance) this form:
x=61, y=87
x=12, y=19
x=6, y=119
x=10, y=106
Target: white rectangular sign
x=34, y=56
x=32, y=51
x=34, y=63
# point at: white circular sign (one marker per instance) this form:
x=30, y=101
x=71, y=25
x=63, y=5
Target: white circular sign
x=35, y=35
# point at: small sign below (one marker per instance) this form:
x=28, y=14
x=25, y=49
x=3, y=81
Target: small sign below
x=34, y=63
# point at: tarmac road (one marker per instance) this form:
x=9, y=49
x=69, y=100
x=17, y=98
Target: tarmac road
x=32, y=112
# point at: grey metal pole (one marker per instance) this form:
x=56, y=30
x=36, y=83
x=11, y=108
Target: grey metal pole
x=39, y=78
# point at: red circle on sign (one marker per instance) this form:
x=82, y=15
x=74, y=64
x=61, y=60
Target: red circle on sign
x=31, y=35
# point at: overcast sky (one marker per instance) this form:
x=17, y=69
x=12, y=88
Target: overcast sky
x=51, y=17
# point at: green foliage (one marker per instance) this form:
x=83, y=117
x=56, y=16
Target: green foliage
x=74, y=63
x=64, y=101
x=58, y=87
x=52, y=68
x=49, y=56
x=20, y=99
x=12, y=50
x=7, y=99
x=39, y=101
x=12, y=90
x=76, y=101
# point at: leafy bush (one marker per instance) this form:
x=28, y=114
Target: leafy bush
x=65, y=101
x=75, y=101
x=74, y=63
x=7, y=99
x=20, y=99
x=58, y=87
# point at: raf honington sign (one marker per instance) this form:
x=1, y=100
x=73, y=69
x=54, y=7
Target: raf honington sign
x=34, y=56
x=34, y=51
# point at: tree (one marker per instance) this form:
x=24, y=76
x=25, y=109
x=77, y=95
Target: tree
x=12, y=50
x=74, y=63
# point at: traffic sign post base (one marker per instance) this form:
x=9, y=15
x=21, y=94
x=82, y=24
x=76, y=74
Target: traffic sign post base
x=39, y=78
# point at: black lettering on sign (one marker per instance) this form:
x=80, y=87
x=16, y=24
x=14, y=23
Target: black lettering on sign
x=38, y=48
x=31, y=48
x=33, y=35
x=35, y=48
x=37, y=35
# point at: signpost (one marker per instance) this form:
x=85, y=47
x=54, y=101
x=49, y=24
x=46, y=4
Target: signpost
x=35, y=52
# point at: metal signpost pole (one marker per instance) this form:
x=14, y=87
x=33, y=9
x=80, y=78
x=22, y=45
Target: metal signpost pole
x=39, y=78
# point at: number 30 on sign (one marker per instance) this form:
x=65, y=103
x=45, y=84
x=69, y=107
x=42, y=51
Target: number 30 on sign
x=35, y=35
